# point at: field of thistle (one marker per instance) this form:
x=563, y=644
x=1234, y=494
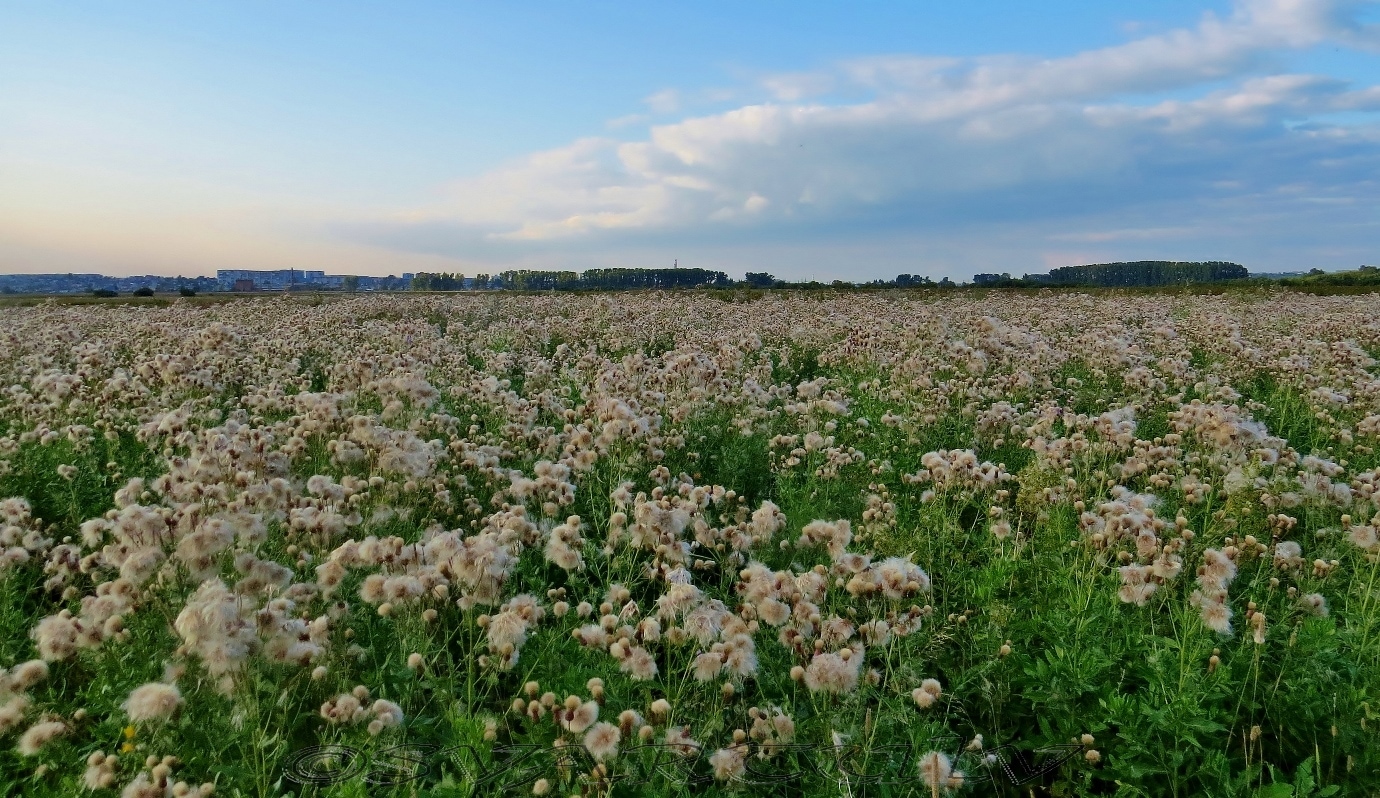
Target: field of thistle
x=692, y=544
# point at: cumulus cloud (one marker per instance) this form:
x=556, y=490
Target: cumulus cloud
x=1203, y=119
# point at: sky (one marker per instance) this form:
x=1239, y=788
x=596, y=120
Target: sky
x=812, y=140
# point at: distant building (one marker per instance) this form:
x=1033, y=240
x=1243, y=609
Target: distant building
x=84, y=283
x=240, y=280
x=277, y=279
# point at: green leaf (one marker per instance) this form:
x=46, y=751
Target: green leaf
x=1206, y=726
x=1303, y=777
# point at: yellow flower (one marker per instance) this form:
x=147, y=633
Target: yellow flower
x=129, y=732
x=126, y=748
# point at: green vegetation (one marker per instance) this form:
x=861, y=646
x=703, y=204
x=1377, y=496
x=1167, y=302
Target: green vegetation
x=1368, y=276
x=1145, y=273
x=305, y=515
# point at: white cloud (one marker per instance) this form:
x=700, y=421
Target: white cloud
x=931, y=143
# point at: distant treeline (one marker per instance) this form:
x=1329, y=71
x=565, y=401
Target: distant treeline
x=1131, y=274
x=1134, y=274
x=640, y=279
x=441, y=282
x=1364, y=276
x=590, y=280
x=1145, y=273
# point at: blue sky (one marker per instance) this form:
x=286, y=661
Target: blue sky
x=808, y=139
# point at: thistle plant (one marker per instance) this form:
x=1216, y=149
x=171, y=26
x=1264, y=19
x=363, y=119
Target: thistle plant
x=668, y=544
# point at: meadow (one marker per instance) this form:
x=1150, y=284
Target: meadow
x=774, y=543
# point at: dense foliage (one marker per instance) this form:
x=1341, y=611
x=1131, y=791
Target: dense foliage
x=1364, y=276
x=676, y=544
x=1141, y=273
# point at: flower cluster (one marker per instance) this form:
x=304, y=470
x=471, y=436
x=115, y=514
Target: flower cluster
x=760, y=523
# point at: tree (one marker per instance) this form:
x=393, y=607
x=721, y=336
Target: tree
x=911, y=280
x=1142, y=273
x=143, y=291
x=443, y=281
